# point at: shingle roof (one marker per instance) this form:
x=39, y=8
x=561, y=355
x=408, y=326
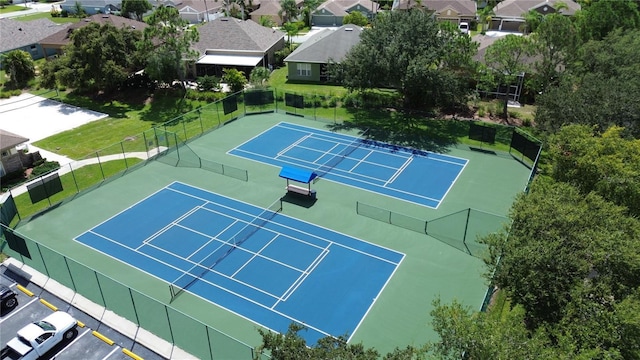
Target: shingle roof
x=339, y=7
x=63, y=37
x=464, y=8
x=327, y=45
x=93, y=3
x=10, y=140
x=268, y=7
x=516, y=8
x=16, y=34
x=200, y=6
x=233, y=34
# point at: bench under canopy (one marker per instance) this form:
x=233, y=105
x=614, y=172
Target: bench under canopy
x=300, y=176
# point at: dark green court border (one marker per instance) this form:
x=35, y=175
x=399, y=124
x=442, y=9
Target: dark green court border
x=400, y=315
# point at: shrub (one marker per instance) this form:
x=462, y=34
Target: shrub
x=45, y=167
x=481, y=111
x=208, y=83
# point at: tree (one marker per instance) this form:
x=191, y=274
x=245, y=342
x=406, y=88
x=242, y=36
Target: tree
x=234, y=79
x=532, y=19
x=429, y=70
x=564, y=244
x=555, y=43
x=267, y=21
x=465, y=334
x=308, y=7
x=608, y=164
x=355, y=18
x=506, y=58
x=598, y=18
x=288, y=10
x=78, y=10
x=98, y=58
x=136, y=7
x=290, y=346
x=19, y=66
x=485, y=15
x=292, y=30
x=601, y=89
x=167, y=45
x=259, y=76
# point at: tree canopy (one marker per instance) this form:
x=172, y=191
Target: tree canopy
x=408, y=51
x=136, y=8
x=167, y=45
x=99, y=58
x=600, y=89
x=19, y=66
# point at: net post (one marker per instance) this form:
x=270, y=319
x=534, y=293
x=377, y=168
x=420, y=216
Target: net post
x=466, y=227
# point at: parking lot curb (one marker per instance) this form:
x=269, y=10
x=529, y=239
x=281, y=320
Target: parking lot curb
x=24, y=290
x=103, y=338
x=131, y=355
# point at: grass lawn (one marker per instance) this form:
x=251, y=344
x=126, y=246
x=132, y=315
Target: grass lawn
x=46, y=15
x=279, y=81
x=82, y=178
x=12, y=8
x=126, y=119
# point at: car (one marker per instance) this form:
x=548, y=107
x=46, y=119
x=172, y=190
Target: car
x=8, y=297
x=34, y=340
x=464, y=27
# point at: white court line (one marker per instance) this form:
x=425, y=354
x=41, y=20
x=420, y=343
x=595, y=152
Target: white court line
x=167, y=227
x=293, y=145
x=254, y=256
x=296, y=284
x=400, y=170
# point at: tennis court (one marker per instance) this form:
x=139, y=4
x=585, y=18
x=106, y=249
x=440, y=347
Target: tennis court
x=258, y=263
x=417, y=176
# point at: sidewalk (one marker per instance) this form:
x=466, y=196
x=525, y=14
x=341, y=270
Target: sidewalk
x=70, y=165
x=32, y=8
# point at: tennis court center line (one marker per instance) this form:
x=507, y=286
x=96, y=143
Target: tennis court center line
x=255, y=254
x=168, y=226
x=399, y=171
x=294, y=144
x=305, y=274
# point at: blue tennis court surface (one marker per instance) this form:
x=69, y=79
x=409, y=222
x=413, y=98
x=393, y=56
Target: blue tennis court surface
x=417, y=176
x=258, y=263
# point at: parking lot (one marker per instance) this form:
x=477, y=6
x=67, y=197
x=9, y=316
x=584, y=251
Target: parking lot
x=95, y=340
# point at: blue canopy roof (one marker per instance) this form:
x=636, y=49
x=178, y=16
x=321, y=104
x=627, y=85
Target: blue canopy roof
x=299, y=175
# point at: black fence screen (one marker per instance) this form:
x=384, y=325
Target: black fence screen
x=230, y=104
x=482, y=133
x=260, y=97
x=44, y=187
x=526, y=147
x=296, y=101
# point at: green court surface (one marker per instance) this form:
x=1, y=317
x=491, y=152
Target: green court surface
x=400, y=316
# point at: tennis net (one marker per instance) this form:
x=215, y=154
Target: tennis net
x=197, y=271
x=331, y=163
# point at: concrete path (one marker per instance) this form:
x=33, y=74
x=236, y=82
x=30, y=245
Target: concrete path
x=74, y=165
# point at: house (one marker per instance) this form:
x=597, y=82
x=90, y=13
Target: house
x=92, y=6
x=54, y=43
x=26, y=35
x=197, y=11
x=10, y=145
x=509, y=15
x=454, y=11
x=270, y=9
x=233, y=43
x=309, y=61
x=332, y=12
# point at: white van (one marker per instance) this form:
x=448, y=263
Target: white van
x=464, y=27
